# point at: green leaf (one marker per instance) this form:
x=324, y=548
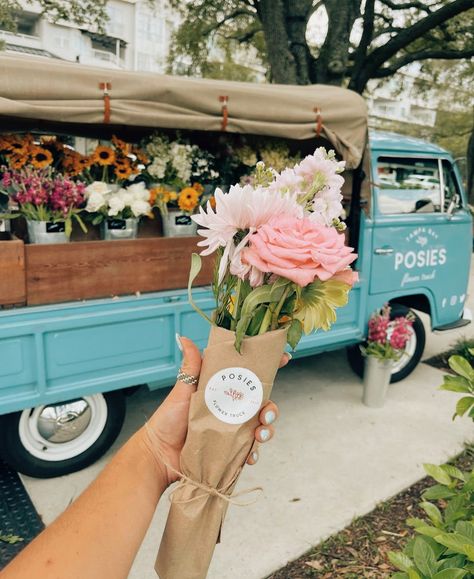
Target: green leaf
x=433, y=513
x=464, y=404
x=455, y=509
x=456, y=384
x=82, y=225
x=412, y=574
x=295, y=332
x=428, y=531
x=400, y=576
x=450, y=574
x=469, y=549
x=97, y=219
x=424, y=557
x=436, y=472
x=461, y=366
x=400, y=561
x=260, y=295
x=453, y=471
x=256, y=320
x=453, y=541
x=68, y=227
x=196, y=264
x=454, y=562
x=466, y=529
x=438, y=492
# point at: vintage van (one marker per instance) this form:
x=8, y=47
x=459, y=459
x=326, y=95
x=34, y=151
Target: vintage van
x=64, y=367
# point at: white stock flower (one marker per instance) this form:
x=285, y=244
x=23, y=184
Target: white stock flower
x=140, y=207
x=98, y=187
x=139, y=191
x=95, y=201
x=116, y=205
x=326, y=207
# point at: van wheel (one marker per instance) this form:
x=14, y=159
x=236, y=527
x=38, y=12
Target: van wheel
x=413, y=351
x=57, y=439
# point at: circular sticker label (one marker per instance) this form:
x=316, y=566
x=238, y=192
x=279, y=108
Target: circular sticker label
x=234, y=395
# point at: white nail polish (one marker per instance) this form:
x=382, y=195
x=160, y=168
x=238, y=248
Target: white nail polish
x=264, y=434
x=178, y=341
x=255, y=456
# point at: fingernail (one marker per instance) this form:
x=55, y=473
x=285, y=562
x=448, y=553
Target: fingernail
x=255, y=456
x=264, y=434
x=289, y=356
x=269, y=417
x=178, y=341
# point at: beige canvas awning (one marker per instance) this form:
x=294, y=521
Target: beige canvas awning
x=71, y=94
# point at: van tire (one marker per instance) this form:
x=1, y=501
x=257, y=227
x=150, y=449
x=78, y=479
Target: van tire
x=21, y=445
x=356, y=360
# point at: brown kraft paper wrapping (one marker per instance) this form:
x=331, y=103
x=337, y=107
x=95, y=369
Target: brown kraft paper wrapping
x=213, y=454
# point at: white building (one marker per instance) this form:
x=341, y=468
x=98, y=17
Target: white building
x=137, y=37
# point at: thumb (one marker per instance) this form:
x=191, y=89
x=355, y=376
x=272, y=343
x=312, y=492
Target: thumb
x=191, y=363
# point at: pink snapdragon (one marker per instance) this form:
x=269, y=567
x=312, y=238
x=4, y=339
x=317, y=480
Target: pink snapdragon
x=402, y=330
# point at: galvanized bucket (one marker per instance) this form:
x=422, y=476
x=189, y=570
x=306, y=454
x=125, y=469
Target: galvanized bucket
x=376, y=381
x=46, y=232
x=178, y=224
x=119, y=228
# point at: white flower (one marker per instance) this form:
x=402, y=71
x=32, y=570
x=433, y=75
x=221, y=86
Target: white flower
x=138, y=191
x=326, y=207
x=140, y=207
x=116, y=205
x=287, y=182
x=127, y=197
x=95, y=201
x=98, y=187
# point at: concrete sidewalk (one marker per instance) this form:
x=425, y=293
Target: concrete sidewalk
x=331, y=460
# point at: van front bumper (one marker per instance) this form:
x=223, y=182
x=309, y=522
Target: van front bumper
x=464, y=321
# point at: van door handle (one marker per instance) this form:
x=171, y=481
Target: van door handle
x=383, y=250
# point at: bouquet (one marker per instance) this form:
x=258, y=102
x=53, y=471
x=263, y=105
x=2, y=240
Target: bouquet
x=387, y=338
x=185, y=200
x=105, y=202
x=39, y=195
x=112, y=164
x=282, y=268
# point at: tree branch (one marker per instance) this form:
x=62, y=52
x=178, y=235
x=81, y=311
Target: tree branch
x=423, y=55
x=405, y=5
x=382, y=54
x=230, y=16
x=247, y=35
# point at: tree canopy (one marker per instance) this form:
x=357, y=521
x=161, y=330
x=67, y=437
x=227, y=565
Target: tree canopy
x=363, y=39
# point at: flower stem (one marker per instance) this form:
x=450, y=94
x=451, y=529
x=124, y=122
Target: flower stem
x=235, y=317
x=277, y=310
x=267, y=318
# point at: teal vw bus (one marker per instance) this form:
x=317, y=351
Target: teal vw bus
x=64, y=367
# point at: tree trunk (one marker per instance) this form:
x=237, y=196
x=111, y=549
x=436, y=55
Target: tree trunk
x=283, y=67
x=333, y=59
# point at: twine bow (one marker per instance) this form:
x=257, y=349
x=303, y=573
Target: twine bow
x=219, y=493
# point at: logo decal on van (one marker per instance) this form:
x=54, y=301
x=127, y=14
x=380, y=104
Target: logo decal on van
x=420, y=257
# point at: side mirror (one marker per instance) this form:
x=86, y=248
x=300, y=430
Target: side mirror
x=453, y=204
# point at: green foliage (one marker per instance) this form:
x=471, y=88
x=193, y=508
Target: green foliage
x=91, y=13
x=462, y=383
x=444, y=545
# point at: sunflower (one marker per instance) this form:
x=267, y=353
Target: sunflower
x=140, y=155
x=123, y=172
x=14, y=145
x=103, y=155
x=17, y=161
x=40, y=157
x=120, y=145
x=188, y=199
x=199, y=188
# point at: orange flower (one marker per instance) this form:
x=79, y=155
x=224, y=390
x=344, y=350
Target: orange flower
x=140, y=155
x=16, y=161
x=199, y=188
x=122, y=146
x=212, y=202
x=123, y=172
x=188, y=199
x=40, y=157
x=122, y=161
x=103, y=155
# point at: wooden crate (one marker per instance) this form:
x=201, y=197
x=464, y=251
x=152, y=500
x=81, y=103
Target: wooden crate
x=96, y=269
x=12, y=271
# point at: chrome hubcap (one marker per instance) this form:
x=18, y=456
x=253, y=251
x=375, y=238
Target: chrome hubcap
x=64, y=422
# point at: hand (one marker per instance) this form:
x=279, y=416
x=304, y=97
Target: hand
x=170, y=422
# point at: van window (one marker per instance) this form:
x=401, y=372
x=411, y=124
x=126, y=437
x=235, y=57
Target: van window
x=408, y=185
x=451, y=185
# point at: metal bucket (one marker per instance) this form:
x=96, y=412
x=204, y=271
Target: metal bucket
x=46, y=232
x=178, y=224
x=119, y=228
x=376, y=381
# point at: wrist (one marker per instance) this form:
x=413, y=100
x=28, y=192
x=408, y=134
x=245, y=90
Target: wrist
x=151, y=460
